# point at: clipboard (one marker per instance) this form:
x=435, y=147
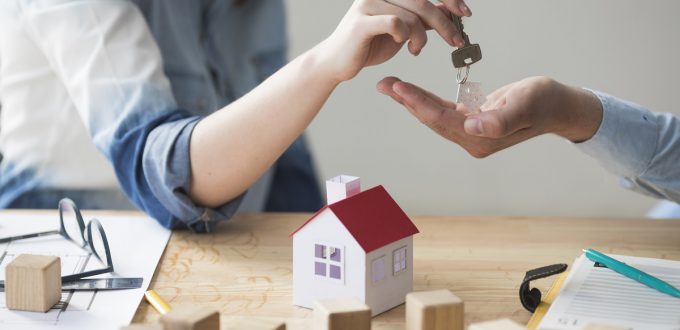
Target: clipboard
x=546, y=301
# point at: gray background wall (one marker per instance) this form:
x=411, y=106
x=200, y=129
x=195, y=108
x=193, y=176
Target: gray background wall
x=626, y=48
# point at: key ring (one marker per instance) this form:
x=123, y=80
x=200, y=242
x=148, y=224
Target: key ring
x=467, y=73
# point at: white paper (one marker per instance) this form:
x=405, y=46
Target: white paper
x=597, y=295
x=136, y=246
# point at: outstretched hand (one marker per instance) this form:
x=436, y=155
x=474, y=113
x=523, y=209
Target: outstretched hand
x=373, y=31
x=512, y=114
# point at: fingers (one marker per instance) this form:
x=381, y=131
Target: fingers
x=481, y=147
x=418, y=36
x=433, y=17
x=498, y=119
x=387, y=24
x=495, y=123
x=495, y=101
x=458, y=7
x=386, y=86
x=425, y=106
x=500, y=92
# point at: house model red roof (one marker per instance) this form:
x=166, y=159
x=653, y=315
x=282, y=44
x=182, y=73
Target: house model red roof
x=372, y=217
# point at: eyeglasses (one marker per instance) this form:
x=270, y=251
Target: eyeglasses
x=91, y=238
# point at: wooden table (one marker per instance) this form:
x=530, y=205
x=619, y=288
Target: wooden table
x=243, y=268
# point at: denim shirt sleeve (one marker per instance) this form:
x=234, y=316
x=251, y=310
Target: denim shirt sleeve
x=111, y=66
x=641, y=147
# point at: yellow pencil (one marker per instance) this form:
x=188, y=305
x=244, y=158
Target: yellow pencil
x=157, y=302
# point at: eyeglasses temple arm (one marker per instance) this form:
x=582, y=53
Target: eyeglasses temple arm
x=16, y=238
x=75, y=277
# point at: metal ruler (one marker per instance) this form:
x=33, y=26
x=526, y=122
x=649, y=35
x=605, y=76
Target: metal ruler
x=115, y=283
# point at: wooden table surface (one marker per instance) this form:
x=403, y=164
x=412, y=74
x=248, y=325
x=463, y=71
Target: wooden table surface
x=243, y=268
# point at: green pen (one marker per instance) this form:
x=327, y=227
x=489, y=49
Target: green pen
x=632, y=272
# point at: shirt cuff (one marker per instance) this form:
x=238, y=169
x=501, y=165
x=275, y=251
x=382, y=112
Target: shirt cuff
x=626, y=139
x=167, y=164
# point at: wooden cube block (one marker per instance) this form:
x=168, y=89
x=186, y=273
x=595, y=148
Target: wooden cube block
x=33, y=283
x=191, y=318
x=256, y=324
x=341, y=314
x=434, y=310
x=143, y=326
x=502, y=324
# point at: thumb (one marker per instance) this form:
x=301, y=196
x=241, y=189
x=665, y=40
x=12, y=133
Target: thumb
x=494, y=123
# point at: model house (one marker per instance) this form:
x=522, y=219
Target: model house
x=359, y=245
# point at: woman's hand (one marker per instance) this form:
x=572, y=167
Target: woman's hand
x=373, y=31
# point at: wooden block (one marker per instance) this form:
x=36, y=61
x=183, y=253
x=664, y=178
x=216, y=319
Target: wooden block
x=143, y=326
x=341, y=314
x=191, y=318
x=593, y=326
x=434, y=310
x=33, y=283
x=502, y=324
x=256, y=324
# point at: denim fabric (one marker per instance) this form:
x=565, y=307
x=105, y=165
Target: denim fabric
x=85, y=199
x=139, y=110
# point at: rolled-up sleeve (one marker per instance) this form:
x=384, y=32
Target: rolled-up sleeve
x=167, y=163
x=110, y=64
x=640, y=146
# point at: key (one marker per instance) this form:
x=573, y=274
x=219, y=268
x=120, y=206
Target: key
x=470, y=93
x=468, y=54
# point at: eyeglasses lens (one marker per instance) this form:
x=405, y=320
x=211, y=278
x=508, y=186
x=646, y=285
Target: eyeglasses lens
x=71, y=224
x=96, y=239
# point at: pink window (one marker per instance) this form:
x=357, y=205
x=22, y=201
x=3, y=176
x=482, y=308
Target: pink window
x=378, y=267
x=399, y=259
x=328, y=261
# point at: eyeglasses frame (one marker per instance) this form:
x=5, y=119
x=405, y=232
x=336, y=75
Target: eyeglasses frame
x=86, y=242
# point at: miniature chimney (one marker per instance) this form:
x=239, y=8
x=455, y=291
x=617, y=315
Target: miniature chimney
x=341, y=187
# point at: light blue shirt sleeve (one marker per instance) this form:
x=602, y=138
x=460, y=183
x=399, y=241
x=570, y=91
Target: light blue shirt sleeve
x=110, y=64
x=640, y=146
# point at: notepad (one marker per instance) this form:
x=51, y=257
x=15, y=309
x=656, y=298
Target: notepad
x=598, y=295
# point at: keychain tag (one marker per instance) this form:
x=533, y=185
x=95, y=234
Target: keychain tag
x=470, y=93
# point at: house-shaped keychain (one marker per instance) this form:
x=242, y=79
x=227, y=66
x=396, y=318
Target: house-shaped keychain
x=359, y=245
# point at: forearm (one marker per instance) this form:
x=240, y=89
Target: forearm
x=580, y=112
x=233, y=147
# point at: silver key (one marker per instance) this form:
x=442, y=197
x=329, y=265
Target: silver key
x=468, y=54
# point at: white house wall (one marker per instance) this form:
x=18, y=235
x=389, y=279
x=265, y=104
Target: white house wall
x=307, y=287
x=390, y=291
